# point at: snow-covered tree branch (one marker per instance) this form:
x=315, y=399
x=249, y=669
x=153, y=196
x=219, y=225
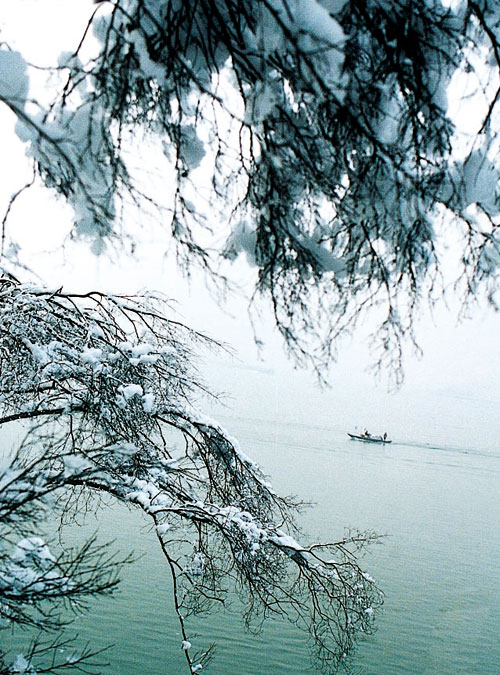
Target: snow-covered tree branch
x=106, y=388
x=324, y=132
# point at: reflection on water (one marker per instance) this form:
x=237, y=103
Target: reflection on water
x=438, y=566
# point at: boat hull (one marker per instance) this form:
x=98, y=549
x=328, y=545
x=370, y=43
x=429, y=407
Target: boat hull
x=368, y=439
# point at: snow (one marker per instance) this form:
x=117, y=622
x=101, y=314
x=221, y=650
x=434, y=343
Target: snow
x=261, y=102
x=75, y=464
x=74, y=145
x=148, y=496
x=125, y=346
x=325, y=259
x=313, y=26
x=30, y=570
x=313, y=18
x=285, y=541
x=148, y=401
x=32, y=549
x=140, y=353
x=125, y=449
x=16, y=487
x=40, y=352
x=140, y=349
x=22, y=665
x=145, y=358
x=14, y=82
x=96, y=331
x=149, y=69
x=196, y=564
x=92, y=355
x=391, y=111
x=192, y=148
x=243, y=239
x=244, y=521
x=130, y=390
x=204, y=420
x=480, y=179
x=68, y=60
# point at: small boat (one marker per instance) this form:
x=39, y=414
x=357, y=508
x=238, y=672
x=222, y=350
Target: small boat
x=368, y=438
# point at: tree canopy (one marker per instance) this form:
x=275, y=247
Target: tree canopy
x=323, y=139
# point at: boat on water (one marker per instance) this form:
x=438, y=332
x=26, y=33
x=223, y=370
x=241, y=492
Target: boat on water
x=368, y=438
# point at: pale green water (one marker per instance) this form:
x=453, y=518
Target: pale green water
x=438, y=567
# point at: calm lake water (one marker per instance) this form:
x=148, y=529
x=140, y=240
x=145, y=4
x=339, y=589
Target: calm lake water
x=435, y=492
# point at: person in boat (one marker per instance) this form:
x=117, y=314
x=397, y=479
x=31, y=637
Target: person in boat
x=366, y=434
x=385, y=435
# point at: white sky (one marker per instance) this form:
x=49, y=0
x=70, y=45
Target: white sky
x=460, y=359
